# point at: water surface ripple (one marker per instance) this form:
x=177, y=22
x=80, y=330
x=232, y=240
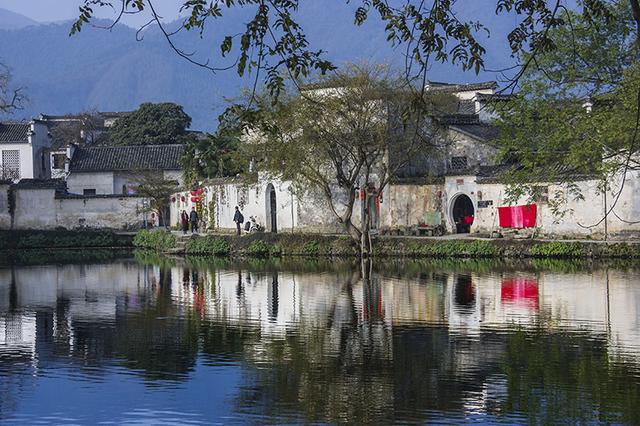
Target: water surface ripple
x=136, y=341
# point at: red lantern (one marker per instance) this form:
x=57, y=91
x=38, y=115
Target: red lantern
x=193, y=199
x=173, y=199
x=183, y=198
x=199, y=191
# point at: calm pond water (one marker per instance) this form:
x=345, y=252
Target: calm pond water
x=134, y=341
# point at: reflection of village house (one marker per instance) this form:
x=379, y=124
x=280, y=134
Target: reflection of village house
x=462, y=323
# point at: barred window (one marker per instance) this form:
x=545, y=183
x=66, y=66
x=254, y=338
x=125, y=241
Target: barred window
x=458, y=163
x=11, y=164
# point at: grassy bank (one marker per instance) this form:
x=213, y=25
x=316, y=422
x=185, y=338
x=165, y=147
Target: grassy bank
x=276, y=245
x=31, y=239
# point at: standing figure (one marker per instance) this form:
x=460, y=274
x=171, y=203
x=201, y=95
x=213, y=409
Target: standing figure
x=238, y=219
x=193, y=217
x=184, y=221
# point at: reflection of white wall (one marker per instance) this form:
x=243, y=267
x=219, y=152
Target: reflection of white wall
x=296, y=301
x=18, y=332
x=313, y=301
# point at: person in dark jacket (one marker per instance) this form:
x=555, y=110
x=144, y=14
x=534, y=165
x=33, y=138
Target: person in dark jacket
x=184, y=221
x=193, y=218
x=238, y=219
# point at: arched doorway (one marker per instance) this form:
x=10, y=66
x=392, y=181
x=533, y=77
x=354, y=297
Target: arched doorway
x=462, y=213
x=272, y=209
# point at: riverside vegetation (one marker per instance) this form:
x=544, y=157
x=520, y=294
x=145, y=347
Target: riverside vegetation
x=276, y=245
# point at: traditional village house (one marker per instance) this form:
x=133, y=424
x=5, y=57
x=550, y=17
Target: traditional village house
x=24, y=150
x=459, y=189
x=70, y=130
x=117, y=169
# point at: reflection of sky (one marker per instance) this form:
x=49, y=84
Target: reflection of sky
x=119, y=395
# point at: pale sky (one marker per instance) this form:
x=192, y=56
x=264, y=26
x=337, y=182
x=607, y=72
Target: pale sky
x=59, y=10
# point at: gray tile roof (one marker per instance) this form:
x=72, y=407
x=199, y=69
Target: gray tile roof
x=463, y=87
x=481, y=131
x=126, y=158
x=57, y=184
x=14, y=132
x=455, y=119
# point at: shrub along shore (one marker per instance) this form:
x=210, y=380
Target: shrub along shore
x=276, y=245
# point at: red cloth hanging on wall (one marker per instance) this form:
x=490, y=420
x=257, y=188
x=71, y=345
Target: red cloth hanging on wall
x=518, y=216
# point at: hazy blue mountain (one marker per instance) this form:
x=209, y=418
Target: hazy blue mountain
x=112, y=71
x=11, y=20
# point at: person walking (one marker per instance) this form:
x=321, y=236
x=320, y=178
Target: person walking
x=184, y=220
x=193, y=217
x=238, y=219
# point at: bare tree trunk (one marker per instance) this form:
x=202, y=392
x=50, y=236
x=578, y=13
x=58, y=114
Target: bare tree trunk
x=366, y=248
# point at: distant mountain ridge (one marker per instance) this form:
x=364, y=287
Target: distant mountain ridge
x=111, y=71
x=11, y=21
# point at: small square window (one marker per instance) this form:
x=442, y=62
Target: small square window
x=459, y=163
x=59, y=160
x=88, y=192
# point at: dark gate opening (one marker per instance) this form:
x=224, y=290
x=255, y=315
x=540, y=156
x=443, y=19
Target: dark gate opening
x=463, y=214
x=273, y=210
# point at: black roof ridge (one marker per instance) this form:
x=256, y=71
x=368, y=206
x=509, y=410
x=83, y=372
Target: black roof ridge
x=89, y=146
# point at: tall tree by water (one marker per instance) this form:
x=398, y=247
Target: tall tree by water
x=345, y=138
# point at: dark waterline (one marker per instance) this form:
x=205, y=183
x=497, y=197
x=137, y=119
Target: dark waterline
x=149, y=340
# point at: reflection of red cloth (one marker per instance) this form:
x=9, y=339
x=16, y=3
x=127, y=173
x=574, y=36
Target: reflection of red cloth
x=520, y=291
x=518, y=216
x=467, y=220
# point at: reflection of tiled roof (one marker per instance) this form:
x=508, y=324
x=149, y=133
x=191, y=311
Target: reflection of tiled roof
x=14, y=132
x=126, y=158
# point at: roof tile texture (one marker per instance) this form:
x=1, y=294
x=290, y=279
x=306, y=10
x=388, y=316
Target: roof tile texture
x=126, y=158
x=14, y=132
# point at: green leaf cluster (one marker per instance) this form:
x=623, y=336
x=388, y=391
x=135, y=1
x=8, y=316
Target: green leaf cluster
x=208, y=245
x=558, y=249
x=158, y=240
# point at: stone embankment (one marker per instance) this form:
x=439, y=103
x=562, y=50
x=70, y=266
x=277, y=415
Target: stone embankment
x=275, y=245
x=63, y=239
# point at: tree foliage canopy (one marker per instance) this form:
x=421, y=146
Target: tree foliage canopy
x=151, y=124
x=576, y=113
x=274, y=43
